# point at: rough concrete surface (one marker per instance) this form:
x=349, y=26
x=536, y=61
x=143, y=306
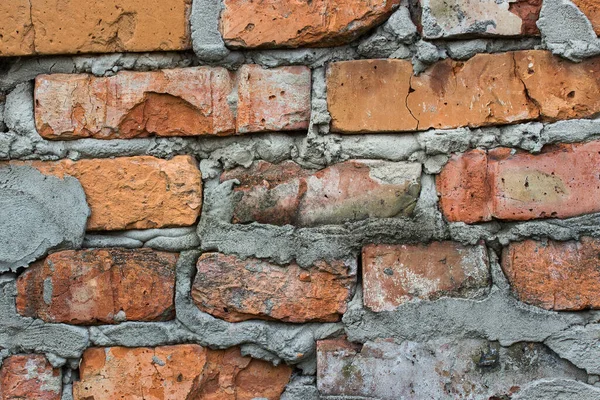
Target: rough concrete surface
x=38, y=213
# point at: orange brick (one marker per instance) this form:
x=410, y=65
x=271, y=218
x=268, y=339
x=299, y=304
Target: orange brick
x=134, y=192
x=273, y=23
x=177, y=372
x=40, y=27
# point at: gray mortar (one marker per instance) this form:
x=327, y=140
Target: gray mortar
x=557, y=389
x=301, y=387
x=391, y=37
x=20, y=334
x=56, y=207
x=140, y=334
x=283, y=244
x=67, y=393
x=292, y=343
x=579, y=345
x=170, y=239
x=498, y=317
x=206, y=37
x=465, y=49
x=566, y=31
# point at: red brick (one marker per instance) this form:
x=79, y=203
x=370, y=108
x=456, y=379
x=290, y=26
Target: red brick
x=177, y=102
x=272, y=23
x=39, y=27
x=488, y=89
x=99, y=286
x=561, y=182
x=176, y=372
x=29, y=377
x=235, y=290
x=396, y=274
x=555, y=275
x=273, y=99
x=349, y=191
x=134, y=192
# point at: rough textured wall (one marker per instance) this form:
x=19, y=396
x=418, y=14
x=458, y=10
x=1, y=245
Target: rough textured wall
x=300, y=200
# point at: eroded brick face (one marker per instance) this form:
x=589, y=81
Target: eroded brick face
x=488, y=89
x=134, y=192
x=178, y=102
x=176, y=372
x=29, y=377
x=200, y=101
x=555, y=275
x=560, y=182
x=284, y=193
x=38, y=27
x=479, y=18
x=99, y=286
x=396, y=274
x=236, y=289
x=273, y=23
x=438, y=369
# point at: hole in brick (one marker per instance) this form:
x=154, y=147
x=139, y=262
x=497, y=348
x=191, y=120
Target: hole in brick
x=571, y=94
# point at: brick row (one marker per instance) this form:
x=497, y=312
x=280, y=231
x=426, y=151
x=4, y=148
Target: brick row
x=489, y=89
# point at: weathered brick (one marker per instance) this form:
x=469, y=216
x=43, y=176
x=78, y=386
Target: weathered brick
x=396, y=274
x=99, y=286
x=283, y=193
x=479, y=18
x=177, y=102
x=29, y=377
x=134, y=192
x=273, y=99
x=591, y=9
x=235, y=290
x=16, y=29
x=39, y=27
x=561, y=182
x=176, y=372
x=370, y=96
x=555, y=275
x=440, y=369
x=488, y=89
x=272, y=23
x=561, y=89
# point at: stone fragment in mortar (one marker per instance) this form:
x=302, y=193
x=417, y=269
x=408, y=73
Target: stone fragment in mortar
x=440, y=369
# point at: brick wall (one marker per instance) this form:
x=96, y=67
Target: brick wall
x=222, y=199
